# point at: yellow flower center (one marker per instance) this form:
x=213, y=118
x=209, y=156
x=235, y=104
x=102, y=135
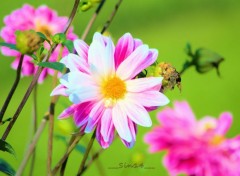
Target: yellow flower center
x=113, y=89
x=217, y=139
x=45, y=30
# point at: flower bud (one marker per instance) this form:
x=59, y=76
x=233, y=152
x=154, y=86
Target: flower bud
x=28, y=41
x=59, y=38
x=95, y=1
x=206, y=60
x=86, y=5
x=170, y=75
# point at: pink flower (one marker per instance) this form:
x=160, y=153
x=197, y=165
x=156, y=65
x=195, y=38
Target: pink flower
x=103, y=89
x=197, y=148
x=42, y=19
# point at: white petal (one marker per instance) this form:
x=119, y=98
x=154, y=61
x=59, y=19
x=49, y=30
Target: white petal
x=142, y=84
x=59, y=90
x=148, y=98
x=136, y=113
x=101, y=58
x=75, y=63
x=106, y=124
x=130, y=66
x=83, y=94
x=94, y=116
x=109, y=58
x=121, y=123
x=82, y=48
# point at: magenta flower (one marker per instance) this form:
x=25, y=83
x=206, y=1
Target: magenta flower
x=197, y=148
x=103, y=89
x=42, y=19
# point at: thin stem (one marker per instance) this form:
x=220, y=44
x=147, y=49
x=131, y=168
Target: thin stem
x=94, y=157
x=108, y=22
x=90, y=23
x=34, y=127
x=65, y=156
x=14, y=86
x=50, y=137
x=186, y=66
x=32, y=145
x=72, y=15
x=26, y=96
x=51, y=117
x=90, y=144
x=63, y=167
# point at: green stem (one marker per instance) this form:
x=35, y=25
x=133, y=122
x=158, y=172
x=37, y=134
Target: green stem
x=34, y=128
x=90, y=23
x=26, y=96
x=32, y=145
x=94, y=157
x=108, y=22
x=186, y=66
x=90, y=144
x=14, y=86
x=72, y=15
x=65, y=156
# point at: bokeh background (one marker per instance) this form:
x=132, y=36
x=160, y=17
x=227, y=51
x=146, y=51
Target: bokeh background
x=165, y=25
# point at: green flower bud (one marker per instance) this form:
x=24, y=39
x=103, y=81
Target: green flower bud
x=206, y=60
x=28, y=41
x=86, y=5
x=95, y=1
x=59, y=38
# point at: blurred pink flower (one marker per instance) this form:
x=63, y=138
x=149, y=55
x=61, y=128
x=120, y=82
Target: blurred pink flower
x=196, y=148
x=103, y=88
x=42, y=19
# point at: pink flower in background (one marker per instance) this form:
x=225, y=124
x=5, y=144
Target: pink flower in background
x=197, y=148
x=42, y=19
x=101, y=85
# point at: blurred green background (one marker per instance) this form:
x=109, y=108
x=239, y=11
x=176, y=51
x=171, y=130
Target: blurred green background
x=165, y=25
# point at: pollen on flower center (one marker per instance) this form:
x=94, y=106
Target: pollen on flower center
x=113, y=88
x=45, y=30
x=217, y=139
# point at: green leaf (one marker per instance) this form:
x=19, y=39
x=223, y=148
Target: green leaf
x=34, y=57
x=9, y=45
x=6, y=147
x=69, y=45
x=54, y=65
x=43, y=37
x=7, y=120
x=80, y=148
x=6, y=168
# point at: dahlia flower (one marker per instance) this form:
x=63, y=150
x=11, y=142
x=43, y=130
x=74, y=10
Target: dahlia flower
x=42, y=19
x=101, y=85
x=197, y=148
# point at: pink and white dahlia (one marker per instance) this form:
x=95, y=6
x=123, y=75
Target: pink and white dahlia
x=42, y=19
x=198, y=148
x=101, y=85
